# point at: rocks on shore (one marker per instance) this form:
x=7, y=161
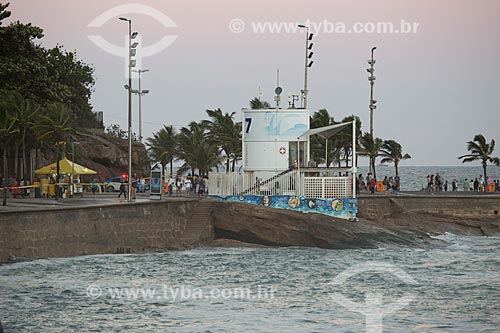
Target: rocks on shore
x=276, y=227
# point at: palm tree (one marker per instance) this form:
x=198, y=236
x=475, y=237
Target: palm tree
x=163, y=146
x=318, y=144
x=226, y=134
x=393, y=153
x=371, y=148
x=7, y=134
x=196, y=150
x=256, y=104
x=343, y=140
x=25, y=112
x=480, y=150
x=54, y=127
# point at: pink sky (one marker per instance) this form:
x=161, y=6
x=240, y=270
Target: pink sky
x=436, y=88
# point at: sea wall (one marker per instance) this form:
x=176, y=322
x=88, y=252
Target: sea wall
x=470, y=206
x=119, y=228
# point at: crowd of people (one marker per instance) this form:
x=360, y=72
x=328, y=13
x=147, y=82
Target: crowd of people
x=371, y=184
x=195, y=185
x=436, y=183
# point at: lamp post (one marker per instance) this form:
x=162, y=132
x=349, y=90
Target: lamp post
x=307, y=64
x=73, y=166
x=140, y=93
x=372, y=106
x=131, y=63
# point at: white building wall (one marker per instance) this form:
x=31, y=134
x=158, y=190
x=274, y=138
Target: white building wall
x=266, y=137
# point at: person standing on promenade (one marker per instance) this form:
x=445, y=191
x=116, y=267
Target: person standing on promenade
x=481, y=184
x=95, y=186
x=466, y=185
x=187, y=185
x=123, y=190
x=178, y=185
x=171, y=183
x=358, y=181
x=445, y=186
x=475, y=185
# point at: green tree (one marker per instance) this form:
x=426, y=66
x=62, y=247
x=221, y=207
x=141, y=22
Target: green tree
x=257, y=104
x=4, y=13
x=196, y=150
x=54, y=128
x=43, y=75
x=163, y=146
x=7, y=135
x=342, y=141
x=25, y=112
x=225, y=134
x=370, y=147
x=480, y=150
x=318, y=144
x=115, y=131
x=393, y=153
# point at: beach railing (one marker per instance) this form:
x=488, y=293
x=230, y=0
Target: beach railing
x=290, y=183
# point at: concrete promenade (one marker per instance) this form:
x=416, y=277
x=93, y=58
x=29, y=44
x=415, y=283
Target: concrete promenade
x=107, y=198
x=101, y=199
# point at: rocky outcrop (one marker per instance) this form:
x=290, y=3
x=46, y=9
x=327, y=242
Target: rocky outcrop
x=276, y=227
x=103, y=153
x=109, y=155
x=460, y=215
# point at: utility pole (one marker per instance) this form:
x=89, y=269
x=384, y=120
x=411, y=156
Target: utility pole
x=372, y=106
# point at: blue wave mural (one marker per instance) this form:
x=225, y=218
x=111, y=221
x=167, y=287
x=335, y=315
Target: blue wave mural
x=346, y=208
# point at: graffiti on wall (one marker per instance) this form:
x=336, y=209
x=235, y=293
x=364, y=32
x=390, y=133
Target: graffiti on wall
x=343, y=208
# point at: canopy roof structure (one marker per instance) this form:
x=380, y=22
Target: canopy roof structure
x=65, y=166
x=327, y=131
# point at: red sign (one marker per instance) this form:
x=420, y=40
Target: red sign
x=282, y=150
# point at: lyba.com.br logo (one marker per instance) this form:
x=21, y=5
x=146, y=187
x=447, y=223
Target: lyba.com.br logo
x=323, y=27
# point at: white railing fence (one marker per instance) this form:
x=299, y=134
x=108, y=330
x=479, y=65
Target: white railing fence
x=327, y=187
x=291, y=183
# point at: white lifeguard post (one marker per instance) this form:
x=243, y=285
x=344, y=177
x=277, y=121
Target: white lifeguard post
x=271, y=142
x=276, y=171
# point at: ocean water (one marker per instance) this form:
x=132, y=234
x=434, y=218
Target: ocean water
x=453, y=288
x=415, y=178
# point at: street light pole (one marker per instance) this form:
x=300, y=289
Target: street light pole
x=129, y=106
x=73, y=167
x=140, y=93
x=372, y=106
x=306, y=64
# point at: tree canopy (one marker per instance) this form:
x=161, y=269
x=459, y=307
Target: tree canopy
x=44, y=75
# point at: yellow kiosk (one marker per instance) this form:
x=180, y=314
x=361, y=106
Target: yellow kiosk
x=67, y=167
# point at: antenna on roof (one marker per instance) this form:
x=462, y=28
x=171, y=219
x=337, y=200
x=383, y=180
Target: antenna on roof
x=278, y=90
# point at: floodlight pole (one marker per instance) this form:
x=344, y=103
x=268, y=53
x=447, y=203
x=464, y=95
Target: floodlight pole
x=306, y=65
x=140, y=93
x=129, y=107
x=372, y=106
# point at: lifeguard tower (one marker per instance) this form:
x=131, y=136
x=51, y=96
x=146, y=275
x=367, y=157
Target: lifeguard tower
x=276, y=167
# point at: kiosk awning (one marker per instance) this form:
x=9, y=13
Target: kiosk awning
x=65, y=166
x=327, y=131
